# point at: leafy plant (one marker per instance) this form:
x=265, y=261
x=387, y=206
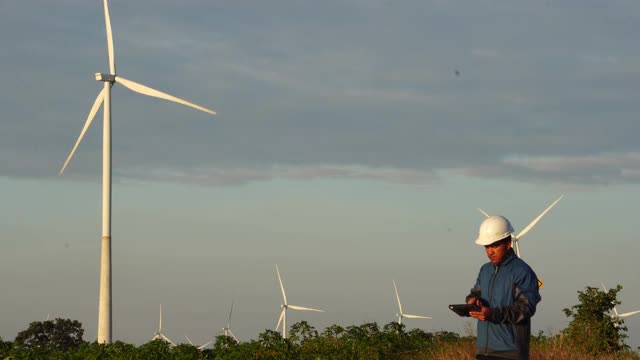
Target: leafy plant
x=593, y=329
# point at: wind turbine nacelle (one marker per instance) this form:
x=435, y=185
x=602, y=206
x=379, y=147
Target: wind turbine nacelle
x=105, y=77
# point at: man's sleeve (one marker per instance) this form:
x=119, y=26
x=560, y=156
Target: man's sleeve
x=525, y=298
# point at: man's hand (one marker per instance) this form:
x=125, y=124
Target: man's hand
x=483, y=314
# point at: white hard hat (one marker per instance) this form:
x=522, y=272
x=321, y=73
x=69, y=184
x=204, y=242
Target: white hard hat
x=493, y=229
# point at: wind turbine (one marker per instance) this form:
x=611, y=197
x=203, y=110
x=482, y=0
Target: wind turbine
x=227, y=329
x=516, y=238
x=200, y=347
x=400, y=314
x=104, y=99
x=283, y=314
x=158, y=335
x=616, y=311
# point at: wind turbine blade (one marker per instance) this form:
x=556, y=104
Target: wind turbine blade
x=280, y=319
x=629, y=313
x=160, y=325
x=397, y=297
x=232, y=335
x=484, y=212
x=139, y=88
x=230, y=311
x=284, y=296
x=535, y=221
x=303, y=308
x=92, y=114
x=615, y=311
x=107, y=20
x=167, y=340
x=205, y=345
x=416, y=316
x=517, y=246
x=189, y=340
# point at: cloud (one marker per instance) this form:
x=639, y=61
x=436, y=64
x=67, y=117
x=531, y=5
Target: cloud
x=242, y=176
x=597, y=169
x=344, y=89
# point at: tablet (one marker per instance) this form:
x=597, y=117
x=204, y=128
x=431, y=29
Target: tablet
x=463, y=309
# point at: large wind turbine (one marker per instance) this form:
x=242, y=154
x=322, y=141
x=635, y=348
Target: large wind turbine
x=104, y=100
x=283, y=314
x=616, y=311
x=158, y=335
x=400, y=314
x=516, y=238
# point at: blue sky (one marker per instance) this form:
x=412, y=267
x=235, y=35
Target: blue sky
x=353, y=142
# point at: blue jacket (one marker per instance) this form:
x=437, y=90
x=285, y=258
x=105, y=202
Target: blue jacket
x=510, y=290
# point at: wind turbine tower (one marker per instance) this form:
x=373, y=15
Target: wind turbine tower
x=104, y=99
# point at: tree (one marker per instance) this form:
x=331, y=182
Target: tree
x=592, y=329
x=5, y=348
x=114, y=351
x=185, y=352
x=301, y=331
x=58, y=334
x=155, y=350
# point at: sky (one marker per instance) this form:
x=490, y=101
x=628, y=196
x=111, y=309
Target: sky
x=353, y=143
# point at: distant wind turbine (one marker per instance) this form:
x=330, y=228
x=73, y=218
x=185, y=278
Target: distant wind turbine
x=616, y=311
x=227, y=329
x=283, y=314
x=516, y=238
x=401, y=314
x=158, y=335
x=104, y=99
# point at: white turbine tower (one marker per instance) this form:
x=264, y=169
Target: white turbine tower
x=283, y=314
x=227, y=329
x=104, y=99
x=616, y=311
x=529, y=227
x=401, y=314
x=158, y=335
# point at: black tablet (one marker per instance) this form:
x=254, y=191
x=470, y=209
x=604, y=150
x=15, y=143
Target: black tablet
x=463, y=309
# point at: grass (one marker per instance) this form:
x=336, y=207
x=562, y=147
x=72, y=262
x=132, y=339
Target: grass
x=554, y=348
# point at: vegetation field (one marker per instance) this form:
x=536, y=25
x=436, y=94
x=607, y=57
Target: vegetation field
x=591, y=334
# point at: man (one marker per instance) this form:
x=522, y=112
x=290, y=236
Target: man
x=506, y=292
